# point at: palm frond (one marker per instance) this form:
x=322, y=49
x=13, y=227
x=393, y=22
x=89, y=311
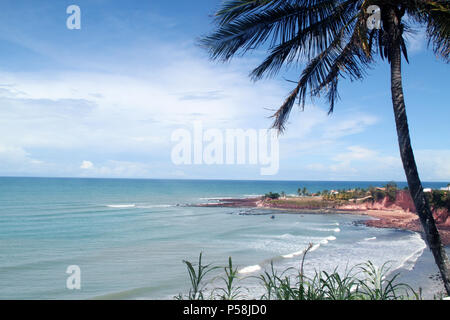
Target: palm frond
x=323, y=72
x=306, y=43
x=272, y=24
x=236, y=8
x=314, y=74
x=353, y=61
x=436, y=16
x=331, y=35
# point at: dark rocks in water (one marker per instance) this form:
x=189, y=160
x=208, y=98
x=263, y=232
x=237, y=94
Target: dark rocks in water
x=359, y=223
x=246, y=213
x=435, y=277
x=232, y=203
x=272, y=217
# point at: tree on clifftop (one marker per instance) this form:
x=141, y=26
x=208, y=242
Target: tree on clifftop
x=337, y=39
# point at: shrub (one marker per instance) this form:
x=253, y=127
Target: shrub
x=377, y=194
x=272, y=195
x=391, y=191
x=439, y=199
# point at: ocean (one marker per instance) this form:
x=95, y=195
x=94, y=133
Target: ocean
x=129, y=237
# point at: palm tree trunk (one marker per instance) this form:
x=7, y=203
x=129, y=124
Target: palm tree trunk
x=409, y=164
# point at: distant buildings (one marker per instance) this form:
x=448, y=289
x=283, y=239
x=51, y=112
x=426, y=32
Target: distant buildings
x=442, y=189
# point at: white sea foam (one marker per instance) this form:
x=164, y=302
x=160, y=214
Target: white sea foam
x=314, y=247
x=250, y=269
x=327, y=239
x=410, y=261
x=370, y=239
x=294, y=254
x=154, y=206
x=124, y=206
x=326, y=229
x=121, y=206
x=287, y=236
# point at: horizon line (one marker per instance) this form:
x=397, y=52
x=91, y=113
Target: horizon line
x=212, y=179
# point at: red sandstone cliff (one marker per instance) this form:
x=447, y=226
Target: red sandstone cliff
x=392, y=216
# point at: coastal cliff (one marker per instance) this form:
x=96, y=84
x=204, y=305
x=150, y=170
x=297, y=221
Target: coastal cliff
x=401, y=214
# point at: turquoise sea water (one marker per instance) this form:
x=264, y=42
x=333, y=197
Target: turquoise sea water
x=129, y=237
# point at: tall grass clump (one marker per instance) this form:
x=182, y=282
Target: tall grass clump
x=230, y=291
x=321, y=286
x=196, y=277
x=361, y=282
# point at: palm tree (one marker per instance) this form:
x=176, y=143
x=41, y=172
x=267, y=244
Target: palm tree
x=305, y=191
x=336, y=40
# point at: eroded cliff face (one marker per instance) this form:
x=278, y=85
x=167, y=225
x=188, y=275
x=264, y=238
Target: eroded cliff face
x=442, y=217
x=391, y=215
x=405, y=202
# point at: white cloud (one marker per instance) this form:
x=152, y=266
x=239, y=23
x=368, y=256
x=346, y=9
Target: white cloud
x=16, y=160
x=12, y=153
x=316, y=167
x=355, y=153
x=359, y=163
x=127, y=116
x=86, y=165
x=122, y=112
x=434, y=164
x=123, y=121
x=356, y=124
x=117, y=169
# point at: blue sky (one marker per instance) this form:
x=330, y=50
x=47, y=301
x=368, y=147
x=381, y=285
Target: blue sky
x=103, y=101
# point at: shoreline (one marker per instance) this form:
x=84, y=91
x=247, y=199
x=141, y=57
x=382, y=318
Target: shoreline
x=424, y=274
x=386, y=215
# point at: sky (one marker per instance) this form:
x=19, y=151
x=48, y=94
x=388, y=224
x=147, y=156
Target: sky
x=104, y=100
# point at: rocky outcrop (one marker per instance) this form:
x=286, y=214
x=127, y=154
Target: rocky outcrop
x=442, y=217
